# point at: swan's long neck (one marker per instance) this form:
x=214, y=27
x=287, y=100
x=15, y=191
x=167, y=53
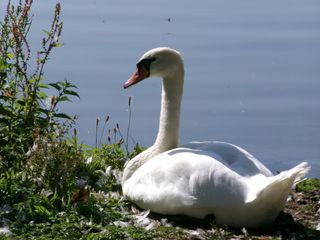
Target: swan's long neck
x=168, y=134
x=169, y=125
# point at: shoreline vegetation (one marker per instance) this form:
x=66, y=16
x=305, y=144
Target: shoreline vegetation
x=52, y=187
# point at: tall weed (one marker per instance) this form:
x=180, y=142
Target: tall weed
x=25, y=109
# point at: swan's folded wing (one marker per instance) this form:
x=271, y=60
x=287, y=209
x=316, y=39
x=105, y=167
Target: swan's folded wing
x=232, y=156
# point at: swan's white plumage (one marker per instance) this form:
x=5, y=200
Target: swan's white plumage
x=201, y=178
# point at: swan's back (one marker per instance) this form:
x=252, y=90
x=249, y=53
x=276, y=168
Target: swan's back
x=235, y=157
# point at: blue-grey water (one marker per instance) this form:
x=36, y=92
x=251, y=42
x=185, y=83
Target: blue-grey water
x=252, y=70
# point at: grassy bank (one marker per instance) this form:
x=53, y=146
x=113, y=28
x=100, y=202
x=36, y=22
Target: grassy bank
x=91, y=206
x=52, y=187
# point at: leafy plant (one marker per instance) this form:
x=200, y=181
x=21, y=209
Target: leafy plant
x=100, y=211
x=25, y=109
x=53, y=165
x=38, y=167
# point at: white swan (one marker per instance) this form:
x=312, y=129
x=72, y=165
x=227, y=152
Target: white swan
x=200, y=178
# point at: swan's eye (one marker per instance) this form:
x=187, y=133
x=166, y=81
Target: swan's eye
x=146, y=63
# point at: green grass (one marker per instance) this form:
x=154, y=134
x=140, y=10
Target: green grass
x=308, y=185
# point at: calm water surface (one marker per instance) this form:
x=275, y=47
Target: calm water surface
x=252, y=70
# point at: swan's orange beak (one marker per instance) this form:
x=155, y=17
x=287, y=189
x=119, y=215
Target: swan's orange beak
x=138, y=76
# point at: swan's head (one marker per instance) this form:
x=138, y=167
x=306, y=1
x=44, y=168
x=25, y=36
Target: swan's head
x=159, y=62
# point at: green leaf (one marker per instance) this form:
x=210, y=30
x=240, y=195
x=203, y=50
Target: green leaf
x=55, y=85
x=57, y=44
x=43, y=85
x=62, y=115
x=42, y=210
x=46, y=32
x=10, y=55
x=64, y=84
x=70, y=92
x=6, y=112
x=42, y=95
x=64, y=98
x=36, y=79
x=21, y=102
x=41, y=60
x=45, y=111
x=70, y=85
x=32, y=80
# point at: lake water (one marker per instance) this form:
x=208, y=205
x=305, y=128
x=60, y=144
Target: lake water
x=252, y=70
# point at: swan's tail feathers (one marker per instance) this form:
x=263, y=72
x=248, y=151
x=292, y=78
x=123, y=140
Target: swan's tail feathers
x=278, y=187
x=299, y=172
x=272, y=197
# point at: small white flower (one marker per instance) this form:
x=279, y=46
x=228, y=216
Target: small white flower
x=140, y=217
x=245, y=232
x=164, y=222
x=115, y=195
x=6, y=208
x=5, y=231
x=88, y=160
x=56, y=38
x=108, y=171
x=121, y=224
x=198, y=234
x=28, y=153
x=152, y=225
x=118, y=175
